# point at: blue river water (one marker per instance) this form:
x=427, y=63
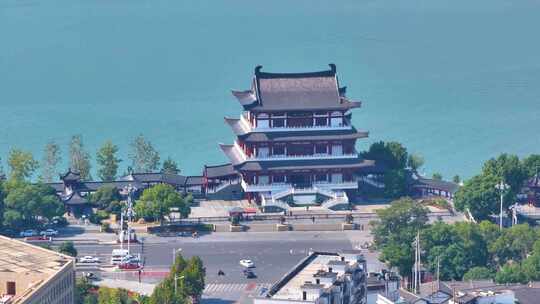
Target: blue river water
x=456, y=81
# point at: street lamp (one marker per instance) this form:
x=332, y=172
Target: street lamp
x=174, y=252
x=501, y=187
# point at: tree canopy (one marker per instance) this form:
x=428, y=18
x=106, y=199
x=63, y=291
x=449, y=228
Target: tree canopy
x=144, y=157
x=79, y=159
x=156, y=202
x=189, y=282
x=108, y=161
x=170, y=166
x=50, y=161
x=22, y=164
x=395, y=231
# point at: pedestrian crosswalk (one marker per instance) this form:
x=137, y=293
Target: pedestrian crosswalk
x=235, y=287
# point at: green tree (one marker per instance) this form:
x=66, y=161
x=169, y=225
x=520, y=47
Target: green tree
x=511, y=273
x=456, y=179
x=155, y=203
x=82, y=290
x=22, y=164
x=189, y=279
x=143, y=156
x=104, y=196
x=170, y=166
x=79, y=159
x=395, y=182
x=437, y=176
x=531, y=164
x=508, y=168
x=107, y=161
x=31, y=203
x=13, y=219
x=392, y=155
x=514, y=244
x=68, y=248
x=479, y=196
x=478, y=273
x=50, y=161
x=415, y=161
x=395, y=230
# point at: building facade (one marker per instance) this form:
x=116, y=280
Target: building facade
x=295, y=144
x=322, y=278
x=33, y=275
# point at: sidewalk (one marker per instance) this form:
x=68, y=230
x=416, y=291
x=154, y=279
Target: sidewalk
x=140, y=288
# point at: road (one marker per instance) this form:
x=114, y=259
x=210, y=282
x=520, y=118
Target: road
x=274, y=253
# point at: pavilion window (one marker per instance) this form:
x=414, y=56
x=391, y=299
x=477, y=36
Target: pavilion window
x=321, y=149
x=337, y=178
x=278, y=178
x=263, y=120
x=337, y=150
x=321, y=121
x=336, y=119
x=263, y=179
x=321, y=177
x=278, y=150
x=300, y=149
x=299, y=119
x=348, y=148
x=263, y=152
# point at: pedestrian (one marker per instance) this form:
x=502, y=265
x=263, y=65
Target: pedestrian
x=313, y=219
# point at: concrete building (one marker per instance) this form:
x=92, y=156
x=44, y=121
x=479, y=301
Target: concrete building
x=33, y=275
x=471, y=292
x=322, y=278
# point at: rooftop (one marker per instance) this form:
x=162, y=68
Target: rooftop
x=28, y=264
x=295, y=91
x=20, y=257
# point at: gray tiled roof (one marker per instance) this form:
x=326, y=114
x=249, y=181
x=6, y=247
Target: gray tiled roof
x=75, y=199
x=220, y=170
x=295, y=91
x=436, y=184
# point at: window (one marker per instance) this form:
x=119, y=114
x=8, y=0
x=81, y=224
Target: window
x=279, y=150
x=278, y=122
x=263, y=180
x=11, y=289
x=263, y=152
x=278, y=178
x=263, y=123
x=337, y=178
x=321, y=149
x=321, y=121
x=337, y=150
x=321, y=177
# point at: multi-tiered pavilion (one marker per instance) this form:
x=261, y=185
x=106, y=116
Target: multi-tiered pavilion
x=295, y=142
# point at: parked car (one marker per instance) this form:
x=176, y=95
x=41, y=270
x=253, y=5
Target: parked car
x=129, y=266
x=49, y=232
x=130, y=259
x=28, y=233
x=247, y=263
x=249, y=274
x=89, y=259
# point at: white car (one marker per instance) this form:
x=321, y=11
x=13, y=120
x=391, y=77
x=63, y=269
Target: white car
x=130, y=259
x=247, y=263
x=89, y=259
x=49, y=232
x=28, y=233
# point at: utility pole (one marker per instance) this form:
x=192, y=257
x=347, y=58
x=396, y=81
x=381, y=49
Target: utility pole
x=176, y=278
x=129, y=212
x=502, y=187
x=417, y=262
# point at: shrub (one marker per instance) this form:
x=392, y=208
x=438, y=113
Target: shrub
x=105, y=227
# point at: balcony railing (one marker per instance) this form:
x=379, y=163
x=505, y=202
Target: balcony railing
x=302, y=157
x=247, y=126
x=280, y=187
